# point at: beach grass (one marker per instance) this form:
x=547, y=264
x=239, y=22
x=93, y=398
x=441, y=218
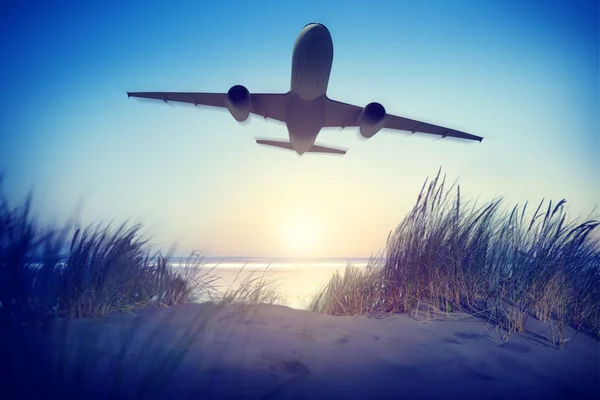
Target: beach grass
x=251, y=287
x=105, y=271
x=504, y=265
x=50, y=277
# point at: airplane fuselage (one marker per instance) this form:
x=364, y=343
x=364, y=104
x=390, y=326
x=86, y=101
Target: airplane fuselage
x=311, y=66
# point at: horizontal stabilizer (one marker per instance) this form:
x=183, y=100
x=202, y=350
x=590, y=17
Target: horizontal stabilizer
x=275, y=143
x=323, y=149
x=288, y=146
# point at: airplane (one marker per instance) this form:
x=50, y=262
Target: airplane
x=305, y=108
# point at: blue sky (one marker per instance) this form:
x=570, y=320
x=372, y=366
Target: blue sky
x=522, y=74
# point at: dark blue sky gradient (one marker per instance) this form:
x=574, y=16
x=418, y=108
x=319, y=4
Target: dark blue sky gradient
x=523, y=74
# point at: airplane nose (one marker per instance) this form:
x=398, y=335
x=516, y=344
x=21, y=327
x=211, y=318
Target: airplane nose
x=316, y=31
x=315, y=26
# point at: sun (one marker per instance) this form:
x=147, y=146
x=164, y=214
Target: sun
x=301, y=234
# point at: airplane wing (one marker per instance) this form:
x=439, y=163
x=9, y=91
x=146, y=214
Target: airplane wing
x=267, y=105
x=340, y=114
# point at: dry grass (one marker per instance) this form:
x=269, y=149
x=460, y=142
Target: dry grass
x=49, y=276
x=355, y=292
x=460, y=257
x=256, y=287
x=109, y=271
x=91, y=273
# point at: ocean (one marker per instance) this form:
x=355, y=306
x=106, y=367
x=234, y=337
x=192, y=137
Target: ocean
x=273, y=263
x=296, y=281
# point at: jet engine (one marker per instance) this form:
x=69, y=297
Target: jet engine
x=239, y=103
x=371, y=120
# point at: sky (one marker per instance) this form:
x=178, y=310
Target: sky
x=522, y=74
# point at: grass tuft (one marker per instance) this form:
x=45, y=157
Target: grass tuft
x=49, y=277
x=457, y=256
x=256, y=287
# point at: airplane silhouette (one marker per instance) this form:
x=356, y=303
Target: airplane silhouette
x=305, y=108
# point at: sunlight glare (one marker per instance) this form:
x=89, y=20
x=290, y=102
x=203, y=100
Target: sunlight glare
x=301, y=234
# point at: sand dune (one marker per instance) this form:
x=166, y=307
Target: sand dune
x=275, y=352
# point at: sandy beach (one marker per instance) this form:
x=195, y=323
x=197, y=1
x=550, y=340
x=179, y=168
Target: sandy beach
x=275, y=352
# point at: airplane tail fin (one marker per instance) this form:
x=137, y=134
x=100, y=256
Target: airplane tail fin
x=288, y=146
